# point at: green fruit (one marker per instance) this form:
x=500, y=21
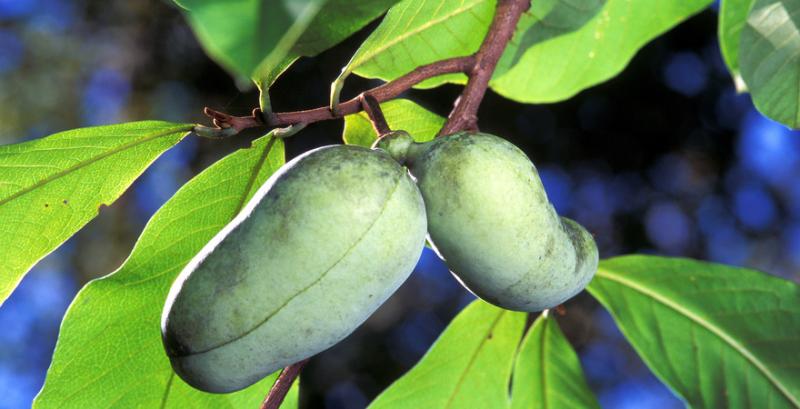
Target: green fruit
x=490, y=220
x=321, y=245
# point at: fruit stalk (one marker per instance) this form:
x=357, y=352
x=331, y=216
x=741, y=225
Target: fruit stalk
x=285, y=380
x=373, y=109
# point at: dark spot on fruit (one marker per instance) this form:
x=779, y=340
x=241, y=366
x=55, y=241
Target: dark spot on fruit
x=490, y=336
x=65, y=201
x=46, y=205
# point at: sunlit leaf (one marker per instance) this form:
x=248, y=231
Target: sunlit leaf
x=401, y=114
x=719, y=336
x=468, y=367
x=418, y=32
x=732, y=17
x=548, y=62
x=769, y=59
x=547, y=373
x=109, y=351
x=53, y=186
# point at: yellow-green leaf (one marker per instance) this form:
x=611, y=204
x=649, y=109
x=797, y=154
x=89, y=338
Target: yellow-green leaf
x=418, y=32
x=53, y=186
x=732, y=17
x=547, y=62
x=401, y=114
x=469, y=366
x=547, y=373
x=109, y=351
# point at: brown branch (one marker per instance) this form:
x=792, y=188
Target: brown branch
x=384, y=92
x=278, y=391
x=371, y=106
x=464, y=115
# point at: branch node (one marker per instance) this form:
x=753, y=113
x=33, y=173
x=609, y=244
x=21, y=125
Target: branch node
x=213, y=133
x=291, y=130
x=237, y=123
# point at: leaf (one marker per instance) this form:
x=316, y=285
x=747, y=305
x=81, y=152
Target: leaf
x=53, y=186
x=401, y=114
x=719, y=336
x=467, y=367
x=769, y=59
x=109, y=351
x=259, y=39
x=549, y=64
x=419, y=32
x=547, y=373
x=732, y=16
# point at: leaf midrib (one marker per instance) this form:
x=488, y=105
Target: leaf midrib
x=472, y=359
x=542, y=357
x=711, y=327
x=91, y=161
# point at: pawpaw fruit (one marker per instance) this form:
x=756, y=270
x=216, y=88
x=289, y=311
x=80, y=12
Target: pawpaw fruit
x=490, y=219
x=324, y=242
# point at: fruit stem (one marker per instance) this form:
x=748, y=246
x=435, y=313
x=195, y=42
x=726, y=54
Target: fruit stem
x=372, y=107
x=281, y=386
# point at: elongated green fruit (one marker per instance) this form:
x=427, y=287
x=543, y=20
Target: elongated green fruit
x=490, y=220
x=320, y=246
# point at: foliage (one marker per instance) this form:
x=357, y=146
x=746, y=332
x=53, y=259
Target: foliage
x=718, y=336
x=51, y=187
x=259, y=40
x=468, y=366
x=125, y=340
x=400, y=114
x=547, y=372
x=732, y=15
x=601, y=35
x=769, y=58
x=418, y=32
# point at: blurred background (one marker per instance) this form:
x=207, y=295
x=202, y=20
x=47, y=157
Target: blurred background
x=665, y=158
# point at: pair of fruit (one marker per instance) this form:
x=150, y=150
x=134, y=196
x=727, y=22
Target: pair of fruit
x=333, y=234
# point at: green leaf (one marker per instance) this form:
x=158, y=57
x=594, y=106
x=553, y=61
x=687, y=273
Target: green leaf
x=732, y=16
x=419, y=32
x=109, y=351
x=547, y=373
x=719, y=336
x=259, y=39
x=549, y=64
x=769, y=59
x=53, y=186
x=401, y=114
x=467, y=367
